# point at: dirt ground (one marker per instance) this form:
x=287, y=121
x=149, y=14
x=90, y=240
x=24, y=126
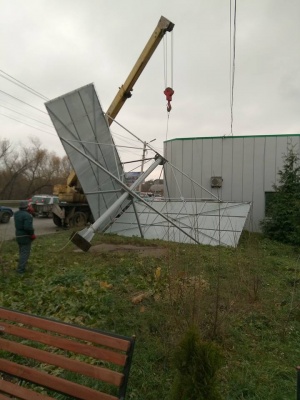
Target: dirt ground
x=142, y=251
x=45, y=226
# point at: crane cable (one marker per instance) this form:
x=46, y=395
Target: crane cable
x=168, y=89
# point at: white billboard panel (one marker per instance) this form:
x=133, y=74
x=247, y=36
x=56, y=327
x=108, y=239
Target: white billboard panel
x=79, y=119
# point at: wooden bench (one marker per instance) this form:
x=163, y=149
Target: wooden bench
x=41, y=359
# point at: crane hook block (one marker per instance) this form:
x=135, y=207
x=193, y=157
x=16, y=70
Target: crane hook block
x=169, y=93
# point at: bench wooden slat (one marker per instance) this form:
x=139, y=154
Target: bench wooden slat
x=34, y=343
x=21, y=392
x=66, y=329
x=2, y=397
x=103, y=374
x=53, y=382
x=65, y=344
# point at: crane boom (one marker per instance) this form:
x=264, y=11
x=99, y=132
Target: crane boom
x=70, y=191
x=124, y=93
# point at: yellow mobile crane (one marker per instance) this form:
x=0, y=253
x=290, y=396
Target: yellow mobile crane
x=71, y=196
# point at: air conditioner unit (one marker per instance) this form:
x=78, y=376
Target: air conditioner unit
x=216, y=181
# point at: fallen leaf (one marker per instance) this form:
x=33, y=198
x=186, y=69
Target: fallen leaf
x=140, y=297
x=157, y=273
x=105, y=285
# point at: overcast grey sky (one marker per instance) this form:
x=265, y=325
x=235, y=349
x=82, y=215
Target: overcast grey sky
x=57, y=46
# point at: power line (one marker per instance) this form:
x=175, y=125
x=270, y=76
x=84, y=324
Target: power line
x=232, y=75
x=24, y=102
x=24, y=115
x=21, y=107
x=103, y=144
x=124, y=138
x=22, y=85
x=230, y=50
x=42, y=130
x=33, y=91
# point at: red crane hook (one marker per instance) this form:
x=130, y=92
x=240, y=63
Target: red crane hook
x=169, y=93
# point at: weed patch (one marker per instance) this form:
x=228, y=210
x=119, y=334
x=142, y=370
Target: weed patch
x=245, y=300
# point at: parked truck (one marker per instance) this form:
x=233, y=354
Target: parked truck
x=73, y=209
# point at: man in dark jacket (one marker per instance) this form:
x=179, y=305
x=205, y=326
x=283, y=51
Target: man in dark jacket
x=24, y=234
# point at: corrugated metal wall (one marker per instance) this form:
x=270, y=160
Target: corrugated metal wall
x=248, y=166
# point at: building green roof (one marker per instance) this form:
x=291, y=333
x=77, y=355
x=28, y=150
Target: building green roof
x=231, y=137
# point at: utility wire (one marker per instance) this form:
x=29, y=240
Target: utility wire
x=22, y=108
x=22, y=85
x=42, y=130
x=24, y=102
x=230, y=51
x=233, y=64
x=41, y=119
x=24, y=115
x=124, y=138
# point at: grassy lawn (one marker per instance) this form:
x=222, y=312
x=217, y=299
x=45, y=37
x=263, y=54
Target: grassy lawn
x=246, y=300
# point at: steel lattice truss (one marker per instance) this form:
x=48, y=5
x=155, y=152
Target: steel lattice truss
x=83, y=129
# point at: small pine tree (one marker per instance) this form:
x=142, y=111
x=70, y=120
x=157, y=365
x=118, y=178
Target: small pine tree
x=196, y=364
x=283, y=220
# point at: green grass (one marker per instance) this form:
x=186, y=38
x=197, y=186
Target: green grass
x=245, y=299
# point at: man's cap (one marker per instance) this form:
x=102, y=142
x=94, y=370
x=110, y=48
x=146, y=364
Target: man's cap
x=23, y=204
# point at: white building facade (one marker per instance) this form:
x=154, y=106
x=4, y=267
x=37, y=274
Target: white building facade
x=232, y=168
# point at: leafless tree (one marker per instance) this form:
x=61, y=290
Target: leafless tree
x=12, y=168
x=5, y=148
x=30, y=170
